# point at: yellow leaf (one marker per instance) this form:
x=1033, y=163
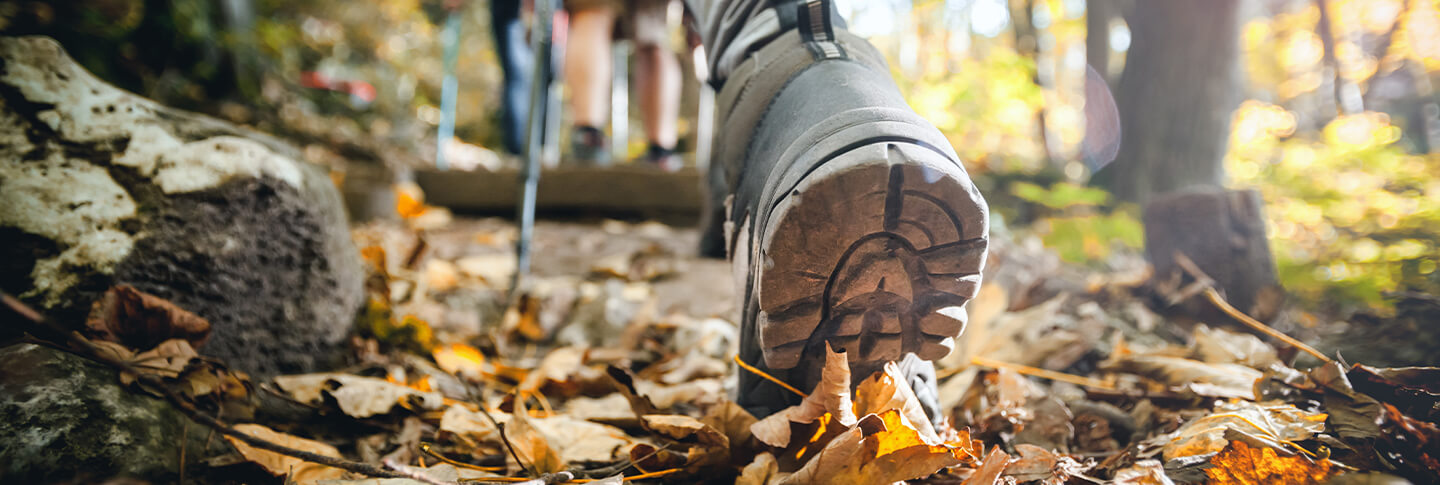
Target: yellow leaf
x=461, y=360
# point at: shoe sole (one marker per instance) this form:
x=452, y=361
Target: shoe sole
x=875, y=253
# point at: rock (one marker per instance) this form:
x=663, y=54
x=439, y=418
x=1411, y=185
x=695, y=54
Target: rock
x=100, y=187
x=65, y=418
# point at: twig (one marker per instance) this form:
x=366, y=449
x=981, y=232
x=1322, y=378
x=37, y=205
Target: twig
x=1042, y=373
x=1214, y=297
x=625, y=465
x=413, y=473
x=425, y=447
x=1224, y=306
x=90, y=350
x=767, y=377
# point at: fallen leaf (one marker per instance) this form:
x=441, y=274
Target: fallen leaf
x=461, y=360
x=762, y=471
x=1241, y=464
x=1039, y=464
x=733, y=421
x=283, y=465
x=166, y=360
x=1204, y=379
x=359, y=397
x=888, y=390
x=990, y=469
x=879, y=449
x=1220, y=346
x=141, y=320
x=1143, y=472
x=1274, y=423
x=441, y=276
x=531, y=446
x=830, y=396
x=684, y=428
x=495, y=270
x=573, y=439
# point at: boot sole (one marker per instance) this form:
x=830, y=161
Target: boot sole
x=875, y=253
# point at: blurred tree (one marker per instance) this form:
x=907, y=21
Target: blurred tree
x=1180, y=83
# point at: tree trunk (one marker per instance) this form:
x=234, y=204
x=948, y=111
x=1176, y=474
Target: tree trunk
x=1179, y=86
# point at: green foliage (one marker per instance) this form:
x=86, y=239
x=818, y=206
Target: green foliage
x=1353, y=216
x=1060, y=196
x=1079, y=226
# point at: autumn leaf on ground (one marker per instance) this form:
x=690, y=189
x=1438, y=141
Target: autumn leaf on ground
x=573, y=439
x=461, y=360
x=1243, y=464
x=888, y=390
x=1143, y=472
x=830, y=396
x=294, y=469
x=880, y=449
x=141, y=320
x=1204, y=379
x=166, y=360
x=1272, y=423
x=530, y=445
x=1039, y=464
x=359, y=397
x=762, y=471
x=990, y=469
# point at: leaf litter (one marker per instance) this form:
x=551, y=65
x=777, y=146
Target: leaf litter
x=613, y=365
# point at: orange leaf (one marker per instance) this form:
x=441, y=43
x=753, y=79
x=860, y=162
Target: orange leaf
x=1241, y=463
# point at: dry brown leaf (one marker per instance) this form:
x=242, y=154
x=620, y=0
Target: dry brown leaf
x=530, y=444
x=283, y=465
x=557, y=366
x=1273, y=423
x=732, y=420
x=1204, y=379
x=1242, y=464
x=762, y=471
x=1220, y=346
x=441, y=276
x=613, y=409
x=358, y=396
x=880, y=449
x=166, y=360
x=684, y=428
x=890, y=390
x=1039, y=464
x=831, y=396
x=573, y=439
x=141, y=320
x=495, y=270
x=1143, y=472
x=990, y=469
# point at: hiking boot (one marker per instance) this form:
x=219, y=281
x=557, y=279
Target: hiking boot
x=852, y=223
x=665, y=159
x=588, y=146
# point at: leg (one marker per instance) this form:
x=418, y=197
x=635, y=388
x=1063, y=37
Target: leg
x=587, y=77
x=516, y=63
x=657, y=72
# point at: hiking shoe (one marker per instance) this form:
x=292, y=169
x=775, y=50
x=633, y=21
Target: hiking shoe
x=665, y=159
x=588, y=146
x=856, y=227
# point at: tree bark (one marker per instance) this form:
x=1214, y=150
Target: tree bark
x=1179, y=86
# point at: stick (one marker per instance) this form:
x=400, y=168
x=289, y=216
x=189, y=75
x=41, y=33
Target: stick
x=767, y=377
x=93, y=352
x=1214, y=297
x=1042, y=373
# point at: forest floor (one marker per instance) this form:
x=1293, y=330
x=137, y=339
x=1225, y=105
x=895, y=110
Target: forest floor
x=615, y=364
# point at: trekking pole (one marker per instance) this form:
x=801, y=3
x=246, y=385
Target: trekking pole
x=540, y=99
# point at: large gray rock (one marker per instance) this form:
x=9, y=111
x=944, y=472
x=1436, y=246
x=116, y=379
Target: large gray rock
x=63, y=417
x=99, y=187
